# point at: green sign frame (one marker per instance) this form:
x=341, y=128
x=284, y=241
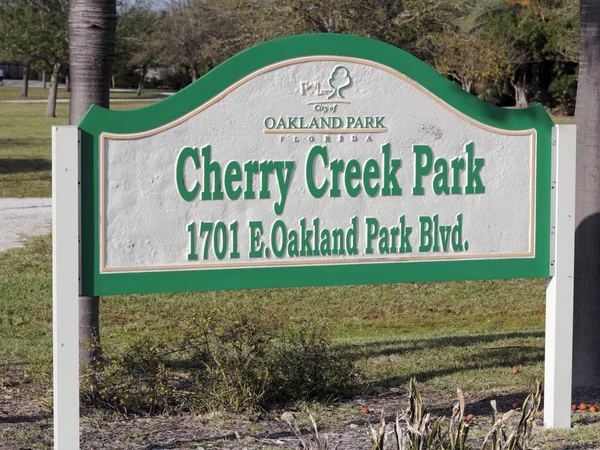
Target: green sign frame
x=99, y=120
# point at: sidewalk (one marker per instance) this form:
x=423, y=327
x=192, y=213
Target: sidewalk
x=66, y=100
x=23, y=216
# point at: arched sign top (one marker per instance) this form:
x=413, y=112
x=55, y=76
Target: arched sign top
x=269, y=53
x=313, y=160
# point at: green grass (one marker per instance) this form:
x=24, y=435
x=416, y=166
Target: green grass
x=447, y=335
x=34, y=93
x=563, y=119
x=26, y=147
x=435, y=330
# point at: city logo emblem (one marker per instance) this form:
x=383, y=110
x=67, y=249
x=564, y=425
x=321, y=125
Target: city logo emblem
x=340, y=77
x=338, y=81
x=325, y=99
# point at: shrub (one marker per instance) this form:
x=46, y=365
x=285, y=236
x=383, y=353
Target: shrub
x=136, y=381
x=238, y=361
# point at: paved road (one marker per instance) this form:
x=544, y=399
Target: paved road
x=35, y=83
x=21, y=217
x=66, y=100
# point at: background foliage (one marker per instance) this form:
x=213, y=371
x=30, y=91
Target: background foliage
x=508, y=52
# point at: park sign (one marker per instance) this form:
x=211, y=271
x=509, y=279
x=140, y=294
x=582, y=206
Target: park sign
x=313, y=160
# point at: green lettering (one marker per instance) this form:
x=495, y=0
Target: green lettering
x=457, y=164
x=211, y=168
x=266, y=167
x=257, y=247
x=422, y=168
x=233, y=174
x=283, y=170
x=372, y=230
x=390, y=166
x=352, y=174
x=251, y=167
x=371, y=173
x=317, y=150
x=187, y=152
x=474, y=166
x=337, y=167
x=440, y=181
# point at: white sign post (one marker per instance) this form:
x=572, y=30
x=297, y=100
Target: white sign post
x=65, y=285
x=559, y=291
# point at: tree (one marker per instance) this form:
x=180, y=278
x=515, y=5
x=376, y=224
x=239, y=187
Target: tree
x=537, y=36
x=92, y=30
x=19, y=35
x=404, y=23
x=470, y=59
x=586, y=339
x=34, y=32
x=207, y=34
x=136, y=48
x=53, y=48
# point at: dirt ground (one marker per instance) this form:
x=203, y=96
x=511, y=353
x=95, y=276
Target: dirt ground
x=26, y=423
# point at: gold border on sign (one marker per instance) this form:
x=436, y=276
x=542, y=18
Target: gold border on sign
x=221, y=95
x=328, y=131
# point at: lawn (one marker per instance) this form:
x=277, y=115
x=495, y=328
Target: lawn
x=26, y=146
x=447, y=335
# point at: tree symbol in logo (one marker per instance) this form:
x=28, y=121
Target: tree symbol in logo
x=339, y=81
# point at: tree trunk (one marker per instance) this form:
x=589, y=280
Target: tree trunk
x=67, y=83
x=25, y=85
x=586, y=339
x=44, y=78
x=520, y=87
x=467, y=85
x=92, y=27
x=194, y=73
x=92, y=33
x=51, y=107
x=140, y=88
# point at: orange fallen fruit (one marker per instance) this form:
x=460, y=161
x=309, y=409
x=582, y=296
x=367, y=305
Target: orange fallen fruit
x=582, y=407
x=515, y=370
x=593, y=408
x=573, y=407
x=364, y=410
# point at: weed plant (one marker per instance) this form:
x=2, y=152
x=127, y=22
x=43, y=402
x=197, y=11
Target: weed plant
x=415, y=429
x=234, y=361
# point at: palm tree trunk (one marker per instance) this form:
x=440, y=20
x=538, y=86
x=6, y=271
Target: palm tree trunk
x=25, y=85
x=586, y=339
x=51, y=107
x=92, y=33
x=92, y=29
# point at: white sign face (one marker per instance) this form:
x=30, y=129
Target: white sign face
x=316, y=160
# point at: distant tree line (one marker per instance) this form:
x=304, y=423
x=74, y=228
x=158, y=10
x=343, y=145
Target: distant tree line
x=508, y=52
